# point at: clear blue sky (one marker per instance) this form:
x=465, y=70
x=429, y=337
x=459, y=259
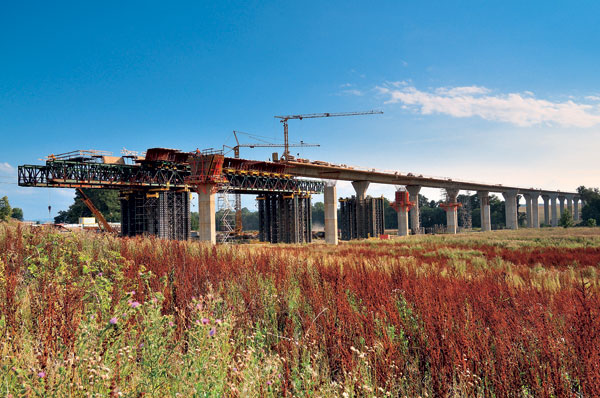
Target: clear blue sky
x=504, y=93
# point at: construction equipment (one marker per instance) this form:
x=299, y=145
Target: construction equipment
x=284, y=120
x=101, y=220
x=236, y=152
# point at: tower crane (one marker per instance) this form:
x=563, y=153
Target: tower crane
x=236, y=153
x=284, y=119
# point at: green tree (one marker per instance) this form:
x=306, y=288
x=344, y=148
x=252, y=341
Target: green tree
x=105, y=200
x=17, y=214
x=591, y=210
x=566, y=219
x=5, y=210
x=318, y=213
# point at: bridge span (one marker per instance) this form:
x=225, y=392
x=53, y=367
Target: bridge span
x=361, y=178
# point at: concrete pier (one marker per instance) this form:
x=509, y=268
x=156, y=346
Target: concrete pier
x=451, y=211
x=535, y=210
x=413, y=191
x=576, y=208
x=553, y=198
x=546, y=200
x=361, y=189
x=484, y=200
x=561, y=203
x=510, y=203
x=528, y=209
x=569, y=199
x=331, y=222
x=402, y=221
x=207, y=231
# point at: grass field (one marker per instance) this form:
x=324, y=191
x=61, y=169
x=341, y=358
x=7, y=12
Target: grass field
x=507, y=313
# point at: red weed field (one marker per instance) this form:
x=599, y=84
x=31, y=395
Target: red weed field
x=498, y=314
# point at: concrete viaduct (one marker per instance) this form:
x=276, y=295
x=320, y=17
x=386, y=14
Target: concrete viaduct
x=362, y=178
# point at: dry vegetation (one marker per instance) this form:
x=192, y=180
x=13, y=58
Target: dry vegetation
x=494, y=314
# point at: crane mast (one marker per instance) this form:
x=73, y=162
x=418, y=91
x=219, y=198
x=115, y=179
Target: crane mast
x=284, y=119
x=236, y=153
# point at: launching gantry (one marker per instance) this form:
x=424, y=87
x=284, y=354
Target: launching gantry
x=155, y=189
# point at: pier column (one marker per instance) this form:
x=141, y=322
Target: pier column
x=451, y=213
x=206, y=213
x=561, y=203
x=361, y=189
x=528, y=208
x=331, y=224
x=484, y=200
x=402, y=221
x=413, y=191
x=510, y=204
x=553, y=197
x=535, y=210
x=569, y=198
x=576, y=208
x=546, y=199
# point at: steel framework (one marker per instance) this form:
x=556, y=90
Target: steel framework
x=285, y=218
x=361, y=219
x=67, y=174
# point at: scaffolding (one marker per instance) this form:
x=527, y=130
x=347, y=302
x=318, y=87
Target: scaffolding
x=226, y=212
x=361, y=219
x=165, y=214
x=285, y=218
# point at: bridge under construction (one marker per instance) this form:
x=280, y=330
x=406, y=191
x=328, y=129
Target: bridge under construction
x=155, y=193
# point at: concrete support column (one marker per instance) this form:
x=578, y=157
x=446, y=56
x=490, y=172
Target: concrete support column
x=331, y=224
x=451, y=213
x=402, y=221
x=207, y=230
x=535, y=210
x=553, y=198
x=528, y=208
x=546, y=199
x=361, y=189
x=484, y=200
x=510, y=204
x=576, y=208
x=569, y=198
x=561, y=203
x=413, y=191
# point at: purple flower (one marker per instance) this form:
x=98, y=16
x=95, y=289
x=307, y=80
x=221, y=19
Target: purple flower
x=269, y=382
x=113, y=321
x=205, y=321
x=141, y=345
x=134, y=304
x=132, y=292
x=171, y=324
x=100, y=274
x=42, y=374
x=218, y=321
x=212, y=332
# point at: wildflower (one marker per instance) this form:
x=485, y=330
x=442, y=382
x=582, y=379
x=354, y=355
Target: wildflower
x=100, y=274
x=269, y=382
x=218, y=321
x=134, y=304
x=171, y=324
x=212, y=332
x=132, y=293
x=42, y=374
x=235, y=369
x=197, y=322
x=205, y=321
x=113, y=321
x=141, y=345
